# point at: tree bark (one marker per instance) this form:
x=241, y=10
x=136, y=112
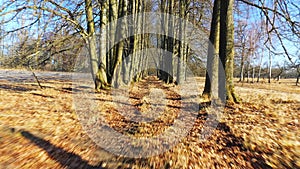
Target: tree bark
x=248, y=70
x=259, y=70
x=226, y=87
x=170, y=45
x=270, y=67
x=253, y=74
x=99, y=76
x=164, y=38
x=180, y=63
x=112, y=53
x=242, y=67
x=211, y=79
x=119, y=36
x=298, y=77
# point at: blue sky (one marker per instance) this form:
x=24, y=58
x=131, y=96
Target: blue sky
x=255, y=16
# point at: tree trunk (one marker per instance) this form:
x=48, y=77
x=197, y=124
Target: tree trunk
x=227, y=52
x=99, y=76
x=112, y=53
x=298, y=77
x=132, y=40
x=211, y=79
x=185, y=57
x=170, y=45
x=138, y=42
x=248, y=72
x=164, y=40
x=259, y=70
x=182, y=47
x=270, y=67
x=119, y=36
x=242, y=67
x=253, y=74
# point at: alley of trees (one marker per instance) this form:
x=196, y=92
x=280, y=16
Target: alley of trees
x=53, y=33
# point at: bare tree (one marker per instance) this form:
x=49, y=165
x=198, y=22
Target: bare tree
x=213, y=54
x=226, y=50
x=281, y=23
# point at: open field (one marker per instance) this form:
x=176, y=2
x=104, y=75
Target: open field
x=39, y=128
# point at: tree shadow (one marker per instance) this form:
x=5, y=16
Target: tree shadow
x=65, y=158
x=71, y=160
x=42, y=95
x=231, y=141
x=15, y=88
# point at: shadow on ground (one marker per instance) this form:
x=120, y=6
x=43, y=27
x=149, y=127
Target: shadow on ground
x=65, y=158
x=230, y=140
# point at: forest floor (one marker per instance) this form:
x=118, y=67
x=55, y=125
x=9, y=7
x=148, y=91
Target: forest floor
x=40, y=128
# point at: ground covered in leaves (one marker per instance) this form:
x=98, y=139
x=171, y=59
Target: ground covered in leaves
x=40, y=127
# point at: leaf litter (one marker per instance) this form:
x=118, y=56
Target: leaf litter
x=39, y=128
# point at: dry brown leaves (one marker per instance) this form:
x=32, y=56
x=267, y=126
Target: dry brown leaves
x=40, y=129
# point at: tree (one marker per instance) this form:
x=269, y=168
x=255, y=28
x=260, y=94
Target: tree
x=296, y=66
x=298, y=76
x=226, y=51
x=110, y=55
x=211, y=79
x=281, y=23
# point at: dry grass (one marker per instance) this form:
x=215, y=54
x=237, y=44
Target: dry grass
x=268, y=120
x=39, y=128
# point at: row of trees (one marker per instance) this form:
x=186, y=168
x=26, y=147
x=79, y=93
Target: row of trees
x=56, y=31
x=120, y=59
x=60, y=29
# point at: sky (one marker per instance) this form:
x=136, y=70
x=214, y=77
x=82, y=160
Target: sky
x=253, y=18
